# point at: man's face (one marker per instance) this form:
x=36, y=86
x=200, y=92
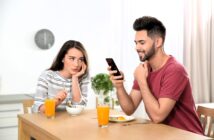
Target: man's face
x=145, y=46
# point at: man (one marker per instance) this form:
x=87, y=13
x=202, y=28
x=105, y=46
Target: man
x=160, y=81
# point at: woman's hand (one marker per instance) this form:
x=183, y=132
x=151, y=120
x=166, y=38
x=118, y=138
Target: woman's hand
x=60, y=96
x=82, y=70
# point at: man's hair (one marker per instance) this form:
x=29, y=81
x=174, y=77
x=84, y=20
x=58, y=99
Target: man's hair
x=152, y=25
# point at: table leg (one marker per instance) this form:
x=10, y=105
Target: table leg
x=21, y=134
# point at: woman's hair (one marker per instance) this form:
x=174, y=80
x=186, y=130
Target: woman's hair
x=58, y=64
x=152, y=25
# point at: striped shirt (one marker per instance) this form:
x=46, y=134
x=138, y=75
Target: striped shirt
x=51, y=82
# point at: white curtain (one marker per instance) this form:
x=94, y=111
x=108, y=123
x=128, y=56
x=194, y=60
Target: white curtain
x=199, y=47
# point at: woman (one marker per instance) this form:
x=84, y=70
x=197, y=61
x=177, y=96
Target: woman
x=66, y=79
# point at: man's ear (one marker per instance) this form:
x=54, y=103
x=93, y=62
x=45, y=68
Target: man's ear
x=158, y=42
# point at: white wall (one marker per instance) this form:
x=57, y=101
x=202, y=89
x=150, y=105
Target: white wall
x=104, y=27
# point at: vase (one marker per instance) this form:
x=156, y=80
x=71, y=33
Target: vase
x=102, y=99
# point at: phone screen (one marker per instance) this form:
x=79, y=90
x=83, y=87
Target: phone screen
x=111, y=63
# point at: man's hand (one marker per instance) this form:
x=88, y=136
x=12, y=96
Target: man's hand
x=116, y=80
x=141, y=72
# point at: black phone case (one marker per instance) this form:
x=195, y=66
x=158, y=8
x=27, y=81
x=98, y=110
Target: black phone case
x=111, y=63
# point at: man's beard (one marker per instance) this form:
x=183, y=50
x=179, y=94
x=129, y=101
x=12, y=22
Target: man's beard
x=149, y=54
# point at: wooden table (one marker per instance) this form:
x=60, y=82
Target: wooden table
x=208, y=105
x=84, y=127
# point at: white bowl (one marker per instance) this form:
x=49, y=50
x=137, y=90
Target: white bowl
x=75, y=109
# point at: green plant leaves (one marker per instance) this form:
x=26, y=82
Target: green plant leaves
x=107, y=99
x=101, y=83
x=103, y=87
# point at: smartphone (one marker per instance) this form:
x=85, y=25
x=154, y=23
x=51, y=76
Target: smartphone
x=111, y=63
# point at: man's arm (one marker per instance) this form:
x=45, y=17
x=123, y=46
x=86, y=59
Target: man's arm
x=159, y=109
x=128, y=103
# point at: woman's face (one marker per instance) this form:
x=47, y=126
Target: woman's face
x=73, y=61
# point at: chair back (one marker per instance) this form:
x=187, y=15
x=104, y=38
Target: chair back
x=27, y=105
x=206, y=116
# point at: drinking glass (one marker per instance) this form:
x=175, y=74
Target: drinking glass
x=103, y=115
x=50, y=108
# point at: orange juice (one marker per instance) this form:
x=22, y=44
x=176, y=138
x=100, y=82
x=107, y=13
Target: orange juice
x=50, y=108
x=103, y=115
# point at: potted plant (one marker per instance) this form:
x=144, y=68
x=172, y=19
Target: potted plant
x=103, y=88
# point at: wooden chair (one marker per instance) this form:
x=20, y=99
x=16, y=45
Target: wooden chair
x=206, y=116
x=27, y=105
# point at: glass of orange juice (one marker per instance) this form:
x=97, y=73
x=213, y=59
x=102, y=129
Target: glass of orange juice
x=103, y=115
x=50, y=108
